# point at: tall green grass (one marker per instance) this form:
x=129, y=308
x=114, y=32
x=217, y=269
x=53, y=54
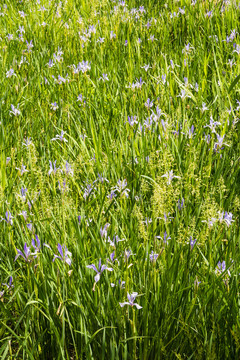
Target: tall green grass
x=189, y=293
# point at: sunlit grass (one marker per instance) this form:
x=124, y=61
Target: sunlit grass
x=119, y=141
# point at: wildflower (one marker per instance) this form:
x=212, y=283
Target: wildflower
x=182, y=11
x=127, y=254
x=122, y=188
x=192, y=242
x=148, y=104
x=237, y=49
x=29, y=45
x=37, y=244
x=210, y=222
x=30, y=226
x=65, y=255
x=173, y=65
x=164, y=77
x=54, y=106
x=24, y=214
x=204, y=107
x=68, y=169
x=114, y=241
x=15, y=111
x=25, y=254
x=101, y=178
x=187, y=49
x=98, y=270
x=112, y=258
x=147, y=221
x=152, y=38
x=22, y=170
x=173, y=15
x=212, y=124
x=183, y=94
x=112, y=195
x=88, y=190
x=120, y=283
x=60, y=137
x=8, y=218
x=80, y=98
x=104, y=77
x=165, y=238
x=84, y=66
x=10, y=73
x=103, y=231
x=139, y=83
x=153, y=256
x=58, y=56
x=208, y=14
x=9, y=37
x=131, y=299
x=146, y=67
x=27, y=142
x=53, y=167
x=219, y=143
x=23, y=194
x=132, y=120
x=231, y=62
x=100, y=40
x=169, y=175
x=10, y=284
x=180, y=204
x=226, y=217
x=112, y=35
x=141, y=9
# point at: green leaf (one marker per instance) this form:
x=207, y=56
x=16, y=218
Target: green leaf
x=233, y=83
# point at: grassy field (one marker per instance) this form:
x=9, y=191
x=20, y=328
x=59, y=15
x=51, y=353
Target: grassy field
x=119, y=179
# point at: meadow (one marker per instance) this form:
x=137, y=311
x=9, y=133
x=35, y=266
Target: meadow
x=119, y=179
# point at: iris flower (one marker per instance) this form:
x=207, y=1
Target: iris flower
x=131, y=298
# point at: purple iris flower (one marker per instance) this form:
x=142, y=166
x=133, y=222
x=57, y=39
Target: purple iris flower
x=99, y=271
x=165, y=238
x=9, y=218
x=25, y=254
x=65, y=255
x=101, y=178
x=53, y=167
x=103, y=231
x=112, y=258
x=226, y=217
x=23, y=193
x=127, y=254
x=192, y=242
x=37, y=244
x=60, y=137
x=148, y=103
x=180, y=204
x=120, y=283
x=112, y=195
x=115, y=240
x=131, y=298
x=10, y=284
x=221, y=266
x=153, y=256
x=147, y=221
